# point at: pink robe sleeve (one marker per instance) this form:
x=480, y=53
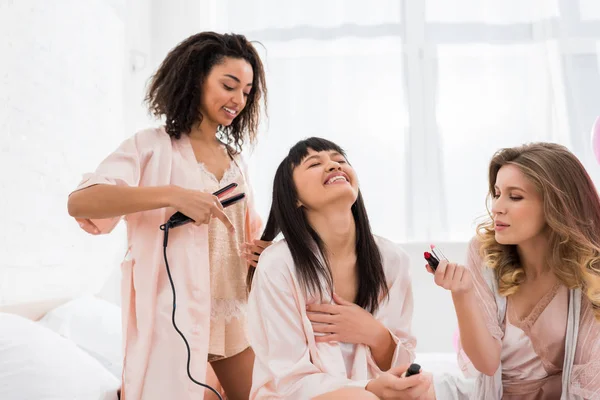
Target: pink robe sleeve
x=122, y=167
x=585, y=376
x=486, y=300
x=282, y=365
x=396, y=313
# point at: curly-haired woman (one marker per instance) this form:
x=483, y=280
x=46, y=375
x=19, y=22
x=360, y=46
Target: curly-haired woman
x=208, y=90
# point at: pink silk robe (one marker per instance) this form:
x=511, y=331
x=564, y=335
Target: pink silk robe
x=289, y=364
x=155, y=355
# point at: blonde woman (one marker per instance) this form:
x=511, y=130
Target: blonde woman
x=528, y=299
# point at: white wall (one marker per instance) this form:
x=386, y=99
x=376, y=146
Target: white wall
x=138, y=36
x=61, y=112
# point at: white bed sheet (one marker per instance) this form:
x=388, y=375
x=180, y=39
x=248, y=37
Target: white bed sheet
x=36, y=363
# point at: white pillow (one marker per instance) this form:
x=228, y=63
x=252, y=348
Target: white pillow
x=36, y=363
x=94, y=325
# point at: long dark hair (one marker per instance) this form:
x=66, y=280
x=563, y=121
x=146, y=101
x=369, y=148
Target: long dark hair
x=307, y=248
x=175, y=90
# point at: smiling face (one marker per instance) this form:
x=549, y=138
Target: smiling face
x=517, y=208
x=323, y=179
x=225, y=91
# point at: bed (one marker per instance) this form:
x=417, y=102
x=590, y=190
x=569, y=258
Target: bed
x=60, y=349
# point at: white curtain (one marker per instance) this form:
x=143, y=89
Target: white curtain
x=421, y=93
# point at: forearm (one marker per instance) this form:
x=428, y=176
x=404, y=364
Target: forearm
x=107, y=201
x=383, y=348
x=479, y=345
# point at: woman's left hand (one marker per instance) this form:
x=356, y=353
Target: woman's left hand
x=344, y=322
x=252, y=251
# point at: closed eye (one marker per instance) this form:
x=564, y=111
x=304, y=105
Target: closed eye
x=513, y=198
x=228, y=88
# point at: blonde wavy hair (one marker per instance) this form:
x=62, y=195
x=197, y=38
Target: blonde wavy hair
x=572, y=211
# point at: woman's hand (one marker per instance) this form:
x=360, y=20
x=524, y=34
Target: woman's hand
x=252, y=251
x=453, y=277
x=477, y=342
x=392, y=385
x=200, y=206
x=344, y=322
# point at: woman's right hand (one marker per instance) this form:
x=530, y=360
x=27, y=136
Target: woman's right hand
x=482, y=349
x=452, y=276
x=199, y=206
x=391, y=385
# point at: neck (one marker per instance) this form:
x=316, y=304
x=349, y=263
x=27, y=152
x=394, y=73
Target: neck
x=531, y=256
x=205, y=131
x=337, y=229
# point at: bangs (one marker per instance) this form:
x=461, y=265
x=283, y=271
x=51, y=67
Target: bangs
x=300, y=149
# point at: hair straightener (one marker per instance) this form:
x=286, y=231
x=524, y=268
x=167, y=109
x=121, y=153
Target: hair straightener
x=179, y=218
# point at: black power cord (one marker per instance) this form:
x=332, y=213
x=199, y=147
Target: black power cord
x=165, y=228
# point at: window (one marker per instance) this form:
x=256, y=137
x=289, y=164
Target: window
x=421, y=94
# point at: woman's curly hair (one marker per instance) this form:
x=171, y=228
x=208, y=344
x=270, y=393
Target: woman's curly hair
x=572, y=211
x=175, y=90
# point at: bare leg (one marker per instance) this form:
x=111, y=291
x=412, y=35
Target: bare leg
x=235, y=374
x=213, y=382
x=347, y=393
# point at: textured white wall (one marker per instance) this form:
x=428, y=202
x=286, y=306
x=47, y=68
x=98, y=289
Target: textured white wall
x=61, y=111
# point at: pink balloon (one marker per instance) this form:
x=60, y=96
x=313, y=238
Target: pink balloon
x=596, y=139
